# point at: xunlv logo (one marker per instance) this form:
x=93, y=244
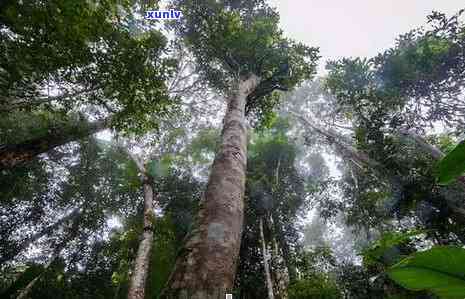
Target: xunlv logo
x=163, y=15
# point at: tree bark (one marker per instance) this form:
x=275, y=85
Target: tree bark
x=142, y=262
x=12, y=155
x=206, y=267
x=279, y=268
x=46, y=231
x=266, y=265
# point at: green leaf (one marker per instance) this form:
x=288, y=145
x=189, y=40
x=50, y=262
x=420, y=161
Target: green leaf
x=440, y=270
x=453, y=165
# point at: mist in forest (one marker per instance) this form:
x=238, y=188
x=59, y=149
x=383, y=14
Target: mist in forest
x=253, y=149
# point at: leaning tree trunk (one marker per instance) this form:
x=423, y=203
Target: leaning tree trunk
x=436, y=153
x=46, y=231
x=206, y=267
x=12, y=155
x=142, y=262
x=28, y=288
x=56, y=253
x=266, y=265
x=361, y=159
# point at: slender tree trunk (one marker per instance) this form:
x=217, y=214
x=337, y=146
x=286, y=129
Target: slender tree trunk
x=28, y=289
x=423, y=144
x=142, y=262
x=206, y=267
x=266, y=265
x=12, y=155
x=336, y=139
x=279, y=268
x=46, y=231
x=56, y=253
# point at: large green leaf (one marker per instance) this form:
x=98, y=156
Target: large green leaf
x=440, y=270
x=453, y=165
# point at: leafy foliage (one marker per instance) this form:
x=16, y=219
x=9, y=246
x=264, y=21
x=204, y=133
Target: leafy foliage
x=438, y=270
x=452, y=166
x=232, y=41
x=87, y=54
x=315, y=288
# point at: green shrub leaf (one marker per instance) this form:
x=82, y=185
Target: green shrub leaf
x=440, y=270
x=453, y=165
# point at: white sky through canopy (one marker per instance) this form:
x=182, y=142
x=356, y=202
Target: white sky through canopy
x=355, y=28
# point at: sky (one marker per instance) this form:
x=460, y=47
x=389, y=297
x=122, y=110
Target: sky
x=358, y=28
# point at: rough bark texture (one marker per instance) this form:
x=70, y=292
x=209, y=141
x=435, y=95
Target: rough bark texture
x=142, y=262
x=12, y=155
x=46, y=231
x=206, y=267
x=266, y=265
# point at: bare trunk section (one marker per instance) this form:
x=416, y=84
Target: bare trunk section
x=423, y=144
x=12, y=155
x=206, y=267
x=142, y=262
x=281, y=272
x=46, y=231
x=266, y=265
x=356, y=156
x=278, y=265
x=279, y=268
x=436, y=153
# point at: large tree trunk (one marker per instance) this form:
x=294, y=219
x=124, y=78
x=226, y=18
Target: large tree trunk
x=142, y=262
x=46, y=231
x=206, y=267
x=266, y=265
x=12, y=155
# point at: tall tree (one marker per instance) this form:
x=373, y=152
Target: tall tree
x=275, y=198
x=241, y=52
